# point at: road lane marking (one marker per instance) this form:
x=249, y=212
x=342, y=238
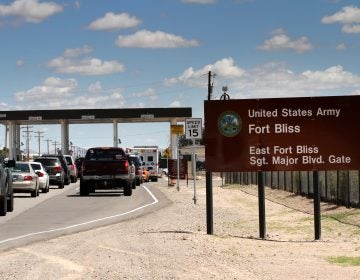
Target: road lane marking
x=85, y=223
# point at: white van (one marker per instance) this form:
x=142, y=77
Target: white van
x=150, y=158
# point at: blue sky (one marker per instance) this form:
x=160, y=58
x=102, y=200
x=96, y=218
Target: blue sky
x=138, y=53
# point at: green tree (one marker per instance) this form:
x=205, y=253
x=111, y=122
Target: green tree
x=4, y=153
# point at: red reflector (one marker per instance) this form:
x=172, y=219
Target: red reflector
x=57, y=168
x=28, y=178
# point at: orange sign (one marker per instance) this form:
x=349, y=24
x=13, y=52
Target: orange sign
x=177, y=129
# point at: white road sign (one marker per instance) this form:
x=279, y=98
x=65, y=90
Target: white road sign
x=193, y=128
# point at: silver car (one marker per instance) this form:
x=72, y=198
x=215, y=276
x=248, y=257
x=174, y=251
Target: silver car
x=43, y=176
x=25, y=180
x=72, y=167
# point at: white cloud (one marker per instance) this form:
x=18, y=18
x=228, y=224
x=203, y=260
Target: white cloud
x=276, y=80
x=349, y=14
x=77, y=4
x=95, y=87
x=113, y=21
x=70, y=63
x=200, y=1
x=4, y=106
x=175, y=104
x=20, y=62
x=55, y=93
x=348, y=28
x=157, y=39
x=349, y=17
x=224, y=68
x=270, y=80
x=341, y=47
x=149, y=93
x=52, y=87
x=77, y=51
x=30, y=10
x=281, y=41
x=332, y=77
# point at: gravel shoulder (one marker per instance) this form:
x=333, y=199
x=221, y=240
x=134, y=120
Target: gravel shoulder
x=171, y=243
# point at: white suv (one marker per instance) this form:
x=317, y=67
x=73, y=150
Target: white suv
x=72, y=167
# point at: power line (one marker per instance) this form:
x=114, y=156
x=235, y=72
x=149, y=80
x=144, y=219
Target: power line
x=39, y=136
x=27, y=137
x=48, y=144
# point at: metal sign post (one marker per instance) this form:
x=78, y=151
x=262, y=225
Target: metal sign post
x=194, y=170
x=178, y=163
x=193, y=131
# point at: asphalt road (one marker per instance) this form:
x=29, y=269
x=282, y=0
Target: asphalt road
x=63, y=211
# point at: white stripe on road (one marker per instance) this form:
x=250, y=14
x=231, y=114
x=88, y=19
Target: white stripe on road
x=86, y=223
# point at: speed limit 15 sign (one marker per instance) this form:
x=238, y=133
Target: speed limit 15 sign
x=193, y=128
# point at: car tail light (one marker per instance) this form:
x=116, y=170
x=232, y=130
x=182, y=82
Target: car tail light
x=72, y=167
x=40, y=174
x=28, y=178
x=57, y=169
x=126, y=165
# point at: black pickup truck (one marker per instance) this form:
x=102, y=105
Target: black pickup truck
x=6, y=190
x=106, y=168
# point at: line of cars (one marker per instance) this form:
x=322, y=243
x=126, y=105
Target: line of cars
x=33, y=176
x=54, y=169
x=142, y=174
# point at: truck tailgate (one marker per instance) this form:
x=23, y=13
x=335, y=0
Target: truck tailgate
x=107, y=167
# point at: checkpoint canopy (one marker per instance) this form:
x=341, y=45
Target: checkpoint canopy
x=66, y=117
x=304, y=133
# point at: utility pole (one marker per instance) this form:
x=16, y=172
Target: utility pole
x=55, y=143
x=47, y=145
x=38, y=136
x=27, y=137
x=209, y=191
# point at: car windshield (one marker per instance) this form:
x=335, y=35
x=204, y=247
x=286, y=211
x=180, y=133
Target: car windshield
x=69, y=160
x=36, y=166
x=136, y=160
x=105, y=154
x=48, y=161
x=21, y=167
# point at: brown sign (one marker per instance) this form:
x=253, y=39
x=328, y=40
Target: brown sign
x=308, y=133
x=172, y=168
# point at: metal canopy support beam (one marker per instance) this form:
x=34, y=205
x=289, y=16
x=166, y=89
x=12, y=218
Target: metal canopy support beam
x=12, y=140
x=64, y=137
x=17, y=142
x=115, y=133
x=174, y=141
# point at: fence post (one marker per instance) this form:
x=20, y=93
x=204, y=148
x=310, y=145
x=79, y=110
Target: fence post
x=261, y=196
x=317, y=218
x=337, y=186
x=348, y=202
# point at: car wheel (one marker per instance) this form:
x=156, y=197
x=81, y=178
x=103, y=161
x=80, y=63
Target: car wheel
x=61, y=185
x=10, y=203
x=138, y=182
x=3, y=205
x=133, y=184
x=84, y=188
x=67, y=181
x=128, y=189
x=34, y=193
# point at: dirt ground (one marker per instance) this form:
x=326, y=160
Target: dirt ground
x=172, y=243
